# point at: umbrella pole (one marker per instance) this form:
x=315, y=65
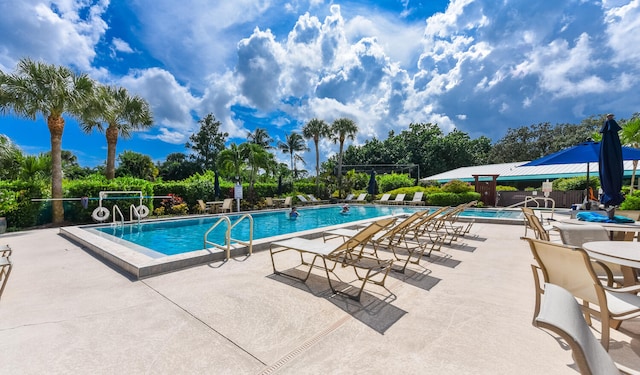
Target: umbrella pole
x=587, y=202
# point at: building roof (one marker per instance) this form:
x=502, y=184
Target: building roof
x=513, y=172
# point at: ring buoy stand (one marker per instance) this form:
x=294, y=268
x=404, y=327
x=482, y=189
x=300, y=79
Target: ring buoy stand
x=143, y=211
x=100, y=214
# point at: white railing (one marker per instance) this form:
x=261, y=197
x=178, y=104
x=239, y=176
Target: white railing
x=227, y=236
x=536, y=200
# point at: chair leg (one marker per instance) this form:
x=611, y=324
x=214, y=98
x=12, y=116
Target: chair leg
x=5, y=271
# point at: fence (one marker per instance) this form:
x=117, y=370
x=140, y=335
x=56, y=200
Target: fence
x=562, y=198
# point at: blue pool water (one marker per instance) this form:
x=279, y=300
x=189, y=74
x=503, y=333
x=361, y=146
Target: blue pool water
x=185, y=235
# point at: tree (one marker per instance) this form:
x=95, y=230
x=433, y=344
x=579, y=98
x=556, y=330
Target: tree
x=341, y=130
x=293, y=143
x=37, y=88
x=10, y=159
x=121, y=112
x=207, y=143
x=260, y=137
x=136, y=165
x=177, y=166
x=316, y=129
x=256, y=157
x=231, y=162
x=631, y=137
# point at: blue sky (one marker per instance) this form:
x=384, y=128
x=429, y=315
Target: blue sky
x=480, y=66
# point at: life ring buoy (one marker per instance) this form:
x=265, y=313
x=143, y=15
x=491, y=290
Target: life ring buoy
x=143, y=211
x=100, y=214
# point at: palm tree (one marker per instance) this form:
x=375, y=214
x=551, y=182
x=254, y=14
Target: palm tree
x=121, y=112
x=231, y=161
x=256, y=158
x=293, y=143
x=316, y=129
x=341, y=130
x=37, y=88
x=631, y=137
x=260, y=137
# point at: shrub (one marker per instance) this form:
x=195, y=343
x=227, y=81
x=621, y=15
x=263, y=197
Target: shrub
x=388, y=182
x=631, y=202
x=506, y=188
x=452, y=199
x=575, y=183
x=457, y=186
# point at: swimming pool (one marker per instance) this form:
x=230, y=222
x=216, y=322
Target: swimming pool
x=184, y=235
x=160, y=246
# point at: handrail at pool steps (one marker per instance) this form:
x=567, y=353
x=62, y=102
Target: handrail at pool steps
x=535, y=199
x=227, y=237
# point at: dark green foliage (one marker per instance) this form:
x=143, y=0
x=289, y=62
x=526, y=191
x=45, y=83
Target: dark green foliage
x=576, y=183
x=16, y=204
x=451, y=199
x=457, y=186
x=389, y=182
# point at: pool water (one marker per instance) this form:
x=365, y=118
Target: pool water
x=184, y=235
x=178, y=236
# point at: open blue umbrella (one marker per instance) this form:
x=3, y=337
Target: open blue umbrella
x=585, y=152
x=373, y=184
x=610, y=164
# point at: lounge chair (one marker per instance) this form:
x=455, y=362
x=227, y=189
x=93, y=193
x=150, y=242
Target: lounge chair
x=417, y=199
x=560, y=313
x=315, y=200
x=227, y=205
x=397, y=239
x=383, y=199
x=447, y=223
x=571, y=268
x=399, y=199
x=344, y=254
x=348, y=198
x=303, y=201
x=269, y=202
x=5, y=267
x=361, y=198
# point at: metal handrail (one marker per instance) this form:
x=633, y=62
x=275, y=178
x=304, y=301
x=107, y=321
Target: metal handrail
x=113, y=212
x=134, y=210
x=227, y=236
x=535, y=199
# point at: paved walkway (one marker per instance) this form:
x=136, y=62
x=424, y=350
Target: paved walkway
x=466, y=310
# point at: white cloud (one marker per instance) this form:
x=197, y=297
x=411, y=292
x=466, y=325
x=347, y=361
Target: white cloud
x=120, y=45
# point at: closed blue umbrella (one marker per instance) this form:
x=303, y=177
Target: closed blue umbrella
x=373, y=184
x=610, y=163
x=216, y=185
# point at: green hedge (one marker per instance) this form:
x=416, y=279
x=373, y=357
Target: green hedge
x=16, y=205
x=452, y=199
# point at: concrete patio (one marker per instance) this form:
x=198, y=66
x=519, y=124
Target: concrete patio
x=466, y=310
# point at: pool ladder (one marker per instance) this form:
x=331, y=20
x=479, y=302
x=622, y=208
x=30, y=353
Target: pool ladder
x=231, y=242
x=133, y=212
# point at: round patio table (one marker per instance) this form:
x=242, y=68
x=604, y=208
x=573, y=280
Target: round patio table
x=624, y=253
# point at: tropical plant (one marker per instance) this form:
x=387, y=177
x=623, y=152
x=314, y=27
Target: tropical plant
x=122, y=114
x=37, y=88
x=231, y=162
x=630, y=136
x=256, y=158
x=293, y=143
x=260, y=137
x=341, y=130
x=134, y=164
x=316, y=129
x=10, y=159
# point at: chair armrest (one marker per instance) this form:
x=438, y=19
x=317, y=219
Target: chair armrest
x=627, y=370
x=606, y=270
x=626, y=289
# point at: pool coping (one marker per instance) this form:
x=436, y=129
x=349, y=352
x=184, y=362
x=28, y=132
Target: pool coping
x=140, y=264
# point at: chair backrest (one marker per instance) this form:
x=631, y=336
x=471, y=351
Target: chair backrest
x=312, y=198
x=364, y=235
x=568, y=267
x=417, y=197
x=226, y=205
x=578, y=234
x=561, y=314
x=348, y=197
x=535, y=224
x=287, y=202
x=302, y=199
x=269, y=201
x=361, y=197
x=202, y=205
x=385, y=197
x=400, y=197
x=404, y=226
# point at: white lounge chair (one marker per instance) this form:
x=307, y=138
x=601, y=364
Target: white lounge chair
x=399, y=199
x=303, y=201
x=361, y=198
x=383, y=199
x=417, y=199
x=348, y=253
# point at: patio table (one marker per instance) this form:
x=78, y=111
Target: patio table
x=611, y=227
x=624, y=253
x=215, y=205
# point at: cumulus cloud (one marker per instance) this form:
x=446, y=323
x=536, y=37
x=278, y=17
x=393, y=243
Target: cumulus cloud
x=64, y=32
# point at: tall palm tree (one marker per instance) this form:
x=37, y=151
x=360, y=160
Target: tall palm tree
x=256, y=158
x=631, y=137
x=122, y=114
x=341, y=130
x=316, y=129
x=293, y=143
x=260, y=137
x=36, y=88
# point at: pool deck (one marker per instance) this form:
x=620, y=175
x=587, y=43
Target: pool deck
x=466, y=310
